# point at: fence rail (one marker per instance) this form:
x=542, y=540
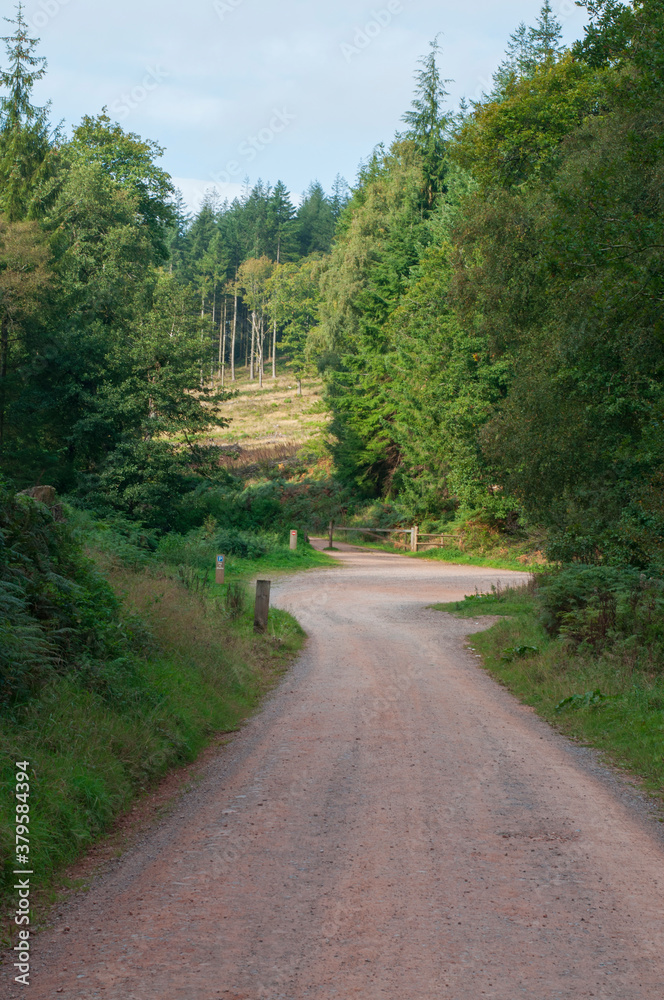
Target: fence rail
x=419, y=541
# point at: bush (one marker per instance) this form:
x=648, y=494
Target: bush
x=275, y=505
x=200, y=547
x=602, y=606
x=57, y=614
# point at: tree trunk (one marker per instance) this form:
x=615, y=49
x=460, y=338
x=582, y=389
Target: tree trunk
x=253, y=345
x=261, y=342
x=222, y=345
x=274, y=350
x=299, y=387
x=233, y=341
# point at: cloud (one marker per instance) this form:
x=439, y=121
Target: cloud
x=227, y=68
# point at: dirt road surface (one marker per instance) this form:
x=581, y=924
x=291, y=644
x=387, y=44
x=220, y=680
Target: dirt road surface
x=393, y=826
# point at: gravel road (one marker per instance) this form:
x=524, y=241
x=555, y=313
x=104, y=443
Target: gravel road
x=393, y=826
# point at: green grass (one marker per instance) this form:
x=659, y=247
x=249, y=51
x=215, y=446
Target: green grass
x=626, y=722
x=511, y=601
x=473, y=559
x=92, y=751
x=277, y=561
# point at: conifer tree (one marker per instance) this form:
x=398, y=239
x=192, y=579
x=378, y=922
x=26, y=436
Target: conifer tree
x=547, y=36
x=518, y=59
x=315, y=221
x=280, y=215
x=24, y=133
x=528, y=48
x=340, y=196
x=428, y=123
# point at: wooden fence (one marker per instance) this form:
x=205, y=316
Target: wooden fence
x=416, y=540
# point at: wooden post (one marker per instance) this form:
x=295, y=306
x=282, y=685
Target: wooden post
x=414, y=532
x=293, y=541
x=221, y=567
x=331, y=535
x=262, y=605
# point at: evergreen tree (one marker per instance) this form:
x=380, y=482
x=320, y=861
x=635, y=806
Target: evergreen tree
x=315, y=221
x=280, y=216
x=518, y=60
x=527, y=49
x=546, y=37
x=24, y=132
x=179, y=242
x=428, y=124
x=340, y=196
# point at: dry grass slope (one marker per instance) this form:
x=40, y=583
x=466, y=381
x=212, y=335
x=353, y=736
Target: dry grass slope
x=273, y=417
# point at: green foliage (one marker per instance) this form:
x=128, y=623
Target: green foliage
x=24, y=133
x=603, y=607
x=57, y=614
x=428, y=124
x=129, y=162
x=588, y=700
x=199, y=548
x=315, y=222
x=519, y=652
x=517, y=137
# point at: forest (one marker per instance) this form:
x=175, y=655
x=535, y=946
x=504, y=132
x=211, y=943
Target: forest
x=483, y=307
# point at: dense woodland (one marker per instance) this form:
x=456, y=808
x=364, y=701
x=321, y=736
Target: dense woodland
x=484, y=307
x=491, y=316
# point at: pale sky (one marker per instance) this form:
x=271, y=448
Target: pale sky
x=290, y=91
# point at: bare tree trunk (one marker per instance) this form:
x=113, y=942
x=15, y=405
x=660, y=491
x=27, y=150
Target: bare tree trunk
x=222, y=345
x=299, y=386
x=261, y=341
x=253, y=345
x=274, y=350
x=233, y=341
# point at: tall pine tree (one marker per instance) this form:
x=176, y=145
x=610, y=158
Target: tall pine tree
x=24, y=131
x=428, y=124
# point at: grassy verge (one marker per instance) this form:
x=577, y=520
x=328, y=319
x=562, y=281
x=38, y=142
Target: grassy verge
x=95, y=743
x=609, y=700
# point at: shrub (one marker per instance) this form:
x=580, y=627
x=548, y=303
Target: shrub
x=603, y=605
x=57, y=614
